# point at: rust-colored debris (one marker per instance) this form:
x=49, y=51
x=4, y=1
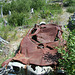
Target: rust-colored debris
x=38, y=46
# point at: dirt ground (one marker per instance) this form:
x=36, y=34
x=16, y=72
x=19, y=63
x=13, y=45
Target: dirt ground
x=64, y=17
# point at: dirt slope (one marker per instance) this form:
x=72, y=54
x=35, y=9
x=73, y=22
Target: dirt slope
x=64, y=17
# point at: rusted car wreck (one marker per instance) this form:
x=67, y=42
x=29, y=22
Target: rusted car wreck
x=37, y=50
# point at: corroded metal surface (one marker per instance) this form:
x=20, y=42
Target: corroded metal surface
x=38, y=46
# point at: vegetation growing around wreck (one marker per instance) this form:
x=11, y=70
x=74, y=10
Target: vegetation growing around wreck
x=42, y=10
x=68, y=61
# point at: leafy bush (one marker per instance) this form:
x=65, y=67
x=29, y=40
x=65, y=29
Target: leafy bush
x=18, y=6
x=71, y=4
x=4, y=31
x=67, y=2
x=53, y=8
x=6, y=8
x=16, y=19
x=7, y=34
x=24, y=6
x=38, y=4
x=68, y=61
x=43, y=15
x=31, y=21
x=71, y=9
x=21, y=5
x=1, y=19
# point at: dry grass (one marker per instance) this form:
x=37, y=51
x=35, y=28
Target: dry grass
x=14, y=37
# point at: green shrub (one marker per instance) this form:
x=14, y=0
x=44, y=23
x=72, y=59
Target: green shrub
x=4, y=58
x=31, y=21
x=68, y=2
x=68, y=61
x=38, y=4
x=1, y=20
x=43, y=15
x=4, y=30
x=53, y=8
x=18, y=6
x=21, y=5
x=16, y=19
x=6, y=8
x=71, y=9
x=8, y=32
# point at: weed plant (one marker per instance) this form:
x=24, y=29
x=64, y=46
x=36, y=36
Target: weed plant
x=68, y=61
x=22, y=15
x=3, y=58
x=1, y=20
x=6, y=30
x=71, y=7
x=51, y=8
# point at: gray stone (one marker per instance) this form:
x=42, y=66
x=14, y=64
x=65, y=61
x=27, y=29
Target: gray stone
x=1, y=11
x=9, y=12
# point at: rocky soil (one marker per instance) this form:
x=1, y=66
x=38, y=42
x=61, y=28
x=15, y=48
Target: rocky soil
x=64, y=17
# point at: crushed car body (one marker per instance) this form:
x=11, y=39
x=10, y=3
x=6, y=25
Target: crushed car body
x=37, y=50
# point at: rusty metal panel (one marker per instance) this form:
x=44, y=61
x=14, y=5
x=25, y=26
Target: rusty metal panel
x=38, y=46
